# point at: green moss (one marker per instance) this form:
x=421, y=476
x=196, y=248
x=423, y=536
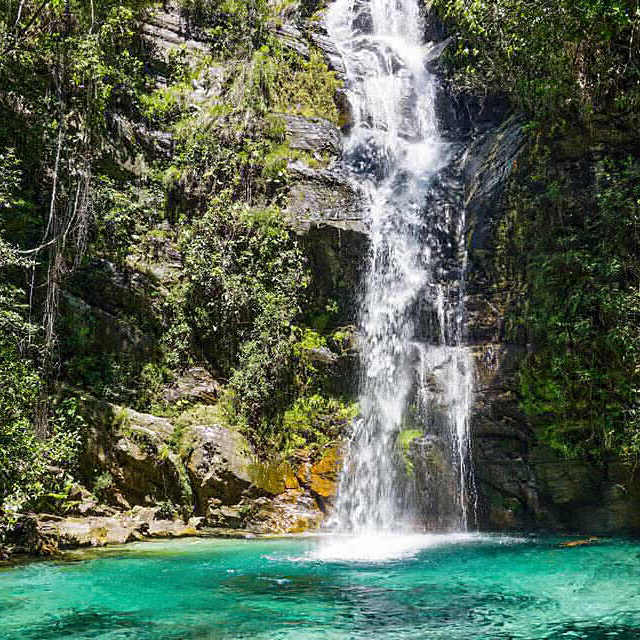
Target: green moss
x=270, y=476
x=403, y=442
x=575, y=258
x=406, y=437
x=121, y=419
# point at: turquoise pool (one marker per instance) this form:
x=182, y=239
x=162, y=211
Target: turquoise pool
x=431, y=587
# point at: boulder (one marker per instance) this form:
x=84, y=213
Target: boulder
x=196, y=385
x=219, y=465
x=133, y=455
x=71, y=533
x=22, y=536
x=137, y=524
x=320, y=477
x=144, y=467
x=293, y=511
x=84, y=503
x=225, y=517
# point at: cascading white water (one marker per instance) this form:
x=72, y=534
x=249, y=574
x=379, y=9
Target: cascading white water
x=415, y=370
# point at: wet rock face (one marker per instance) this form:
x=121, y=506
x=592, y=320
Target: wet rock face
x=434, y=482
x=489, y=162
x=323, y=194
x=521, y=483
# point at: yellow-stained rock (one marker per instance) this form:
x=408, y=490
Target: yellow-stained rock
x=290, y=480
x=324, y=473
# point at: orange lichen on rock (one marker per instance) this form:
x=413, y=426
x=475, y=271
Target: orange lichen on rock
x=324, y=473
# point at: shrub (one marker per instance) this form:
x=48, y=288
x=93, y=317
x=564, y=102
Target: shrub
x=246, y=280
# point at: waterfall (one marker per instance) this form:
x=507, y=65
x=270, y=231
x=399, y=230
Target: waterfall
x=416, y=386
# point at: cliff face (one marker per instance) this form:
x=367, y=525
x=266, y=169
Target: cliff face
x=522, y=483
x=188, y=455
x=182, y=455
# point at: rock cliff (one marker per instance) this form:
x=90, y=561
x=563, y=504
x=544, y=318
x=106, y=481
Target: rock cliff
x=172, y=474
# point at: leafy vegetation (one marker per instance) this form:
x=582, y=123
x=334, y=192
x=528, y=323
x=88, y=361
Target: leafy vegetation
x=246, y=280
x=566, y=63
x=568, y=242
x=141, y=230
x=234, y=28
x=63, y=68
x=581, y=383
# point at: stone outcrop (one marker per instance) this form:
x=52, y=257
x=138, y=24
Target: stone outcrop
x=196, y=385
x=487, y=165
x=218, y=465
x=320, y=38
x=94, y=531
x=166, y=30
x=47, y=534
x=196, y=464
x=434, y=481
x=323, y=197
x=315, y=135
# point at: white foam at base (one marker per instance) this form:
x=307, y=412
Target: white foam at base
x=385, y=547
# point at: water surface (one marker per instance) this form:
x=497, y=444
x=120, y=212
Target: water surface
x=461, y=587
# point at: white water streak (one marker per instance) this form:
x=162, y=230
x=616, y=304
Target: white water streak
x=395, y=152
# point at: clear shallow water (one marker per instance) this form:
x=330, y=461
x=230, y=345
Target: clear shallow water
x=428, y=587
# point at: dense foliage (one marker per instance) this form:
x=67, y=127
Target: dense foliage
x=63, y=67
x=246, y=280
x=565, y=63
x=141, y=227
x=580, y=385
x=568, y=243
